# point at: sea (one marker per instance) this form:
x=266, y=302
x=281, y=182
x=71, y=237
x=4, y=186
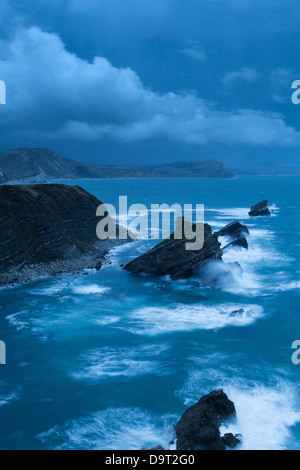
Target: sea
x=111, y=360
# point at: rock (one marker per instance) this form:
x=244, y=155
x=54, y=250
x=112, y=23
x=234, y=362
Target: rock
x=260, y=209
x=235, y=313
x=41, y=164
x=158, y=448
x=48, y=229
x=220, y=274
x=171, y=257
x=236, y=232
x=99, y=266
x=234, y=229
x=241, y=242
x=230, y=440
x=198, y=427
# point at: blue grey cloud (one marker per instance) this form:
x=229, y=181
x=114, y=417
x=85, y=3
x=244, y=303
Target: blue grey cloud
x=207, y=73
x=65, y=96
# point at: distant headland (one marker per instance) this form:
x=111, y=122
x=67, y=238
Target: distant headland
x=41, y=165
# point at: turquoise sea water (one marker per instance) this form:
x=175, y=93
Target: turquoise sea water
x=110, y=360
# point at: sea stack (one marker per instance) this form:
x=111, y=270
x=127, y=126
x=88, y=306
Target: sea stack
x=260, y=209
x=236, y=233
x=171, y=257
x=198, y=428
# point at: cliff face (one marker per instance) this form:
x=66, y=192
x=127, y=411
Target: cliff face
x=47, y=229
x=39, y=165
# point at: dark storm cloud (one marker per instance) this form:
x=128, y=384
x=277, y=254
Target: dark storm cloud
x=204, y=72
x=68, y=97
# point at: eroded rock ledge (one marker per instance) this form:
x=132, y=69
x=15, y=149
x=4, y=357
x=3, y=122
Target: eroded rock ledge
x=46, y=230
x=170, y=257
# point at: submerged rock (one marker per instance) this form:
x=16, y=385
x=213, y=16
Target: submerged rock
x=238, y=312
x=198, y=427
x=260, y=209
x=236, y=232
x=171, y=257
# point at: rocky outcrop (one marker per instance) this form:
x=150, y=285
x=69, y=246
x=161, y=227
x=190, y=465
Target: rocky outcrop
x=236, y=232
x=171, y=257
x=48, y=229
x=231, y=441
x=260, y=209
x=198, y=427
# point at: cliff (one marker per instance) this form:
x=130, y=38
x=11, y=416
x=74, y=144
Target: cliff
x=47, y=229
x=40, y=165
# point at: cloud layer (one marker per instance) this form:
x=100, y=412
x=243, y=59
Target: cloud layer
x=52, y=92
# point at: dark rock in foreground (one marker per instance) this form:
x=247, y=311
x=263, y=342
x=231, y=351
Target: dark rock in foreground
x=171, y=257
x=198, y=427
x=260, y=209
x=236, y=232
x=230, y=440
x=48, y=229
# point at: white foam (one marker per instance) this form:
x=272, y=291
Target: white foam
x=264, y=416
x=112, y=429
x=52, y=289
x=266, y=413
x=118, y=362
x=16, y=321
x=179, y=317
x=107, y=320
x=233, y=213
x=286, y=286
x=91, y=289
x=7, y=399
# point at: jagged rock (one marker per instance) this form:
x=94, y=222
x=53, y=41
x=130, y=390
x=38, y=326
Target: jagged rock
x=171, y=257
x=236, y=232
x=260, y=209
x=198, y=427
x=99, y=266
x=235, y=313
x=230, y=440
x=234, y=229
x=46, y=230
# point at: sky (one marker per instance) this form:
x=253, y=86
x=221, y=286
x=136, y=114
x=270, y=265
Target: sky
x=149, y=81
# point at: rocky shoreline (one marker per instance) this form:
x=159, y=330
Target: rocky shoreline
x=51, y=229
x=48, y=230
x=93, y=260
